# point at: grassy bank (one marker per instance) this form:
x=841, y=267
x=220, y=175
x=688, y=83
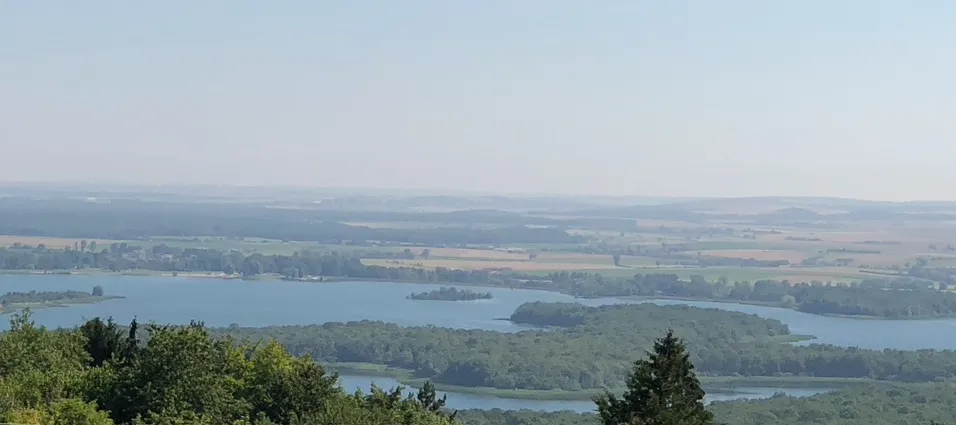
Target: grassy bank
x=711, y=384
x=62, y=303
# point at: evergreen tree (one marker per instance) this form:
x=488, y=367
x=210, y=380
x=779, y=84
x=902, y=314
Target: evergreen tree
x=131, y=348
x=103, y=340
x=661, y=390
x=427, y=398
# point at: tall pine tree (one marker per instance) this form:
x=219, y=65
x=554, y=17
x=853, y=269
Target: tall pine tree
x=661, y=390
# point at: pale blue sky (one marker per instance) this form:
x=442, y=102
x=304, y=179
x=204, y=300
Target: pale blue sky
x=846, y=98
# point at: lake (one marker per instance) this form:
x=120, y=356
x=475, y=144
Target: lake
x=864, y=333
x=472, y=401
x=263, y=303
x=220, y=302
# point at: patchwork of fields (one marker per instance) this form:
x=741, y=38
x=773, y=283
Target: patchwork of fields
x=843, y=254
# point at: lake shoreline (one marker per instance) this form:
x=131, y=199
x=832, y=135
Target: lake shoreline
x=11, y=308
x=712, y=384
x=222, y=276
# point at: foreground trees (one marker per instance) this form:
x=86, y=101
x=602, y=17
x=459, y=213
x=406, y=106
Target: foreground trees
x=99, y=374
x=180, y=375
x=661, y=390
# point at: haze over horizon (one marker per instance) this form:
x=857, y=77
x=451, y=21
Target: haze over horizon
x=850, y=99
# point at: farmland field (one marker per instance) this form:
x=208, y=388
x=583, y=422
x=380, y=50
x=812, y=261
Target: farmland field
x=757, y=254
x=51, y=242
x=480, y=265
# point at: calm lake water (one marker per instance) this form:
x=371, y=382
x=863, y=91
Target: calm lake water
x=471, y=401
x=863, y=333
x=264, y=303
x=220, y=302
x=261, y=303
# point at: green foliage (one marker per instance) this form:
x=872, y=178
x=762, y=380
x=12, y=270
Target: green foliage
x=592, y=346
x=590, y=355
x=180, y=375
x=451, y=294
x=181, y=369
x=45, y=296
x=525, y=417
x=661, y=390
x=104, y=340
x=891, y=298
x=60, y=412
x=37, y=365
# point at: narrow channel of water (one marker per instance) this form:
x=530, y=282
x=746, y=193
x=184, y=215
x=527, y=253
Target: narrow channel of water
x=849, y=332
x=472, y=401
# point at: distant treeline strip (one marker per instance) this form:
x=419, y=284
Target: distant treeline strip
x=898, y=297
x=128, y=220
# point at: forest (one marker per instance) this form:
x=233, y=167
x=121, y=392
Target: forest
x=131, y=219
x=589, y=351
x=176, y=375
x=104, y=374
x=899, y=297
x=450, y=294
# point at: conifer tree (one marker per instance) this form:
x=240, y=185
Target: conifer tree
x=661, y=390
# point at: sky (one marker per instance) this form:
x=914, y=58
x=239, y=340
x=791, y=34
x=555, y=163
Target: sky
x=851, y=98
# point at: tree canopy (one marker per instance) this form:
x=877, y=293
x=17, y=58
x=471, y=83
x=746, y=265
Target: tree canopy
x=180, y=375
x=661, y=390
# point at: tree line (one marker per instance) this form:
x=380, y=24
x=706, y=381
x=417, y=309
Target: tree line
x=897, y=297
x=130, y=219
x=451, y=294
x=100, y=375
x=585, y=352
x=48, y=296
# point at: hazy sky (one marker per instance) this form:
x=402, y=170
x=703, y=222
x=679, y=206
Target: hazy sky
x=852, y=98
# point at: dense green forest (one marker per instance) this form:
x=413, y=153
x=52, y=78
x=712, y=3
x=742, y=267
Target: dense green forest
x=592, y=348
x=593, y=355
x=99, y=375
x=897, y=297
x=130, y=219
x=451, y=294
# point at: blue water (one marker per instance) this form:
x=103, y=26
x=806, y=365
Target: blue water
x=471, y=401
x=220, y=302
x=264, y=303
x=849, y=332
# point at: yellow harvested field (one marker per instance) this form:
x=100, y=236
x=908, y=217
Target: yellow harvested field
x=481, y=265
x=50, y=242
x=756, y=254
x=478, y=253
